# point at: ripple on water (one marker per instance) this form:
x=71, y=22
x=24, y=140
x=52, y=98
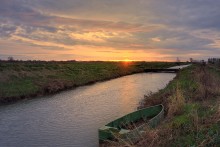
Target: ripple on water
x=72, y=118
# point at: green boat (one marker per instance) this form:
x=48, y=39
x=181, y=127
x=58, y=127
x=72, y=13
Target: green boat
x=132, y=125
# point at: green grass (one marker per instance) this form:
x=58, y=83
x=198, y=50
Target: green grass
x=25, y=79
x=18, y=87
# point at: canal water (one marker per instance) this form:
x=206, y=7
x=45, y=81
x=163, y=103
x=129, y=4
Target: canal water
x=72, y=118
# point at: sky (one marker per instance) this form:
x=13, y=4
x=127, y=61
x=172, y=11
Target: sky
x=110, y=30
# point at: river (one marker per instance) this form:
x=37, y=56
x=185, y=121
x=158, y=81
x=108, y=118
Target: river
x=72, y=118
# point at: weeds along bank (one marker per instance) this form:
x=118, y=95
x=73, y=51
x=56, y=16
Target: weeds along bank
x=192, y=102
x=23, y=79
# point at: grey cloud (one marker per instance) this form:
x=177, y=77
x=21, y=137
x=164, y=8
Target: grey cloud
x=195, y=14
x=176, y=39
x=18, y=11
x=6, y=30
x=185, y=13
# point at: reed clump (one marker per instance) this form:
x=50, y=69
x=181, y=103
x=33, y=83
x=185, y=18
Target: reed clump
x=176, y=102
x=208, y=83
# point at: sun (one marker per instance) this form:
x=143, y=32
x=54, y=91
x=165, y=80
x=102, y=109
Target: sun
x=127, y=60
x=123, y=60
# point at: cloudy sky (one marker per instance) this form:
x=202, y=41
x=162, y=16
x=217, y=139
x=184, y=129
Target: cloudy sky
x=109, y=29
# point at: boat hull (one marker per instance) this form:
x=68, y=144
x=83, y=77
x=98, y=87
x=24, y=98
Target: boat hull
x=115, y=129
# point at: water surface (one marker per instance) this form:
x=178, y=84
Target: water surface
x=72, y=118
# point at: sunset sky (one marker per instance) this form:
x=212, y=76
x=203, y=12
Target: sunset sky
x=149, y=30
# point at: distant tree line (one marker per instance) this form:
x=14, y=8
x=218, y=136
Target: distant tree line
x=11, y=59
x=214, y=61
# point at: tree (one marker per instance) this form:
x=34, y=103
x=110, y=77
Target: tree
x=10, y=58
x=177, y=61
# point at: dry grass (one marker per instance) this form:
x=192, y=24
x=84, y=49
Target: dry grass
x=176, y=102
x=192, y=104
x=208, y=83
x=192, y=118
x=148, y=138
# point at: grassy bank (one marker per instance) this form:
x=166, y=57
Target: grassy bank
x=19, y=80
x=192, y=115
x=192, y=102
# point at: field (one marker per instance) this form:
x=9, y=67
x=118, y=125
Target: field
x=27, y=79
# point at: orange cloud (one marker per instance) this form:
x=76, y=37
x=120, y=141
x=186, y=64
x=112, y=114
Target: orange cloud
x=92, y=36
x=156, y=39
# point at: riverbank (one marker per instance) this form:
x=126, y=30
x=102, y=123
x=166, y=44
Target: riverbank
x=192, y=110
x=192, y=102
x=28, y=79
